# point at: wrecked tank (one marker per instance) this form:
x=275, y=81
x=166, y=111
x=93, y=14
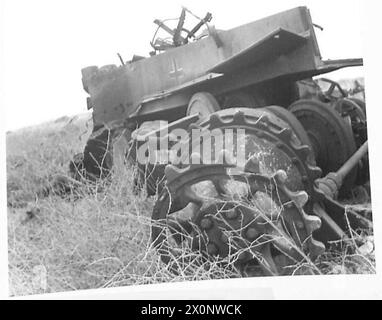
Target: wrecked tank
x=301, y=148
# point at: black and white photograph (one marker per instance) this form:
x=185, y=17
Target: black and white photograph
x=173, y=142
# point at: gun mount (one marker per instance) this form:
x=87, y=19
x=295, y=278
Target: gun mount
x=177, y=38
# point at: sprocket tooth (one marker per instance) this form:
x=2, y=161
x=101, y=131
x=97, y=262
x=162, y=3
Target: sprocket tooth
x=281, y=177
x=285, y=246
x=315, y=172
x=252, y=165
x=312, y=223
x=316, y=248
x=215, y=121
x=300, y=198
x=265, y=120
x=303, y=152
x=239, y=117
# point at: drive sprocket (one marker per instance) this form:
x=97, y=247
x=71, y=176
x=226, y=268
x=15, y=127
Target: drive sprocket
x=244, y=218
x=272, y=141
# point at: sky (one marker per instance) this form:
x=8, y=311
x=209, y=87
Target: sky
x=47, y=43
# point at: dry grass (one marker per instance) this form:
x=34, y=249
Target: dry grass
x=98, y=240
x=101, y=238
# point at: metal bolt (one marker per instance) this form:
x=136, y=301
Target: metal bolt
x=206, y=223
x=252, y=233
